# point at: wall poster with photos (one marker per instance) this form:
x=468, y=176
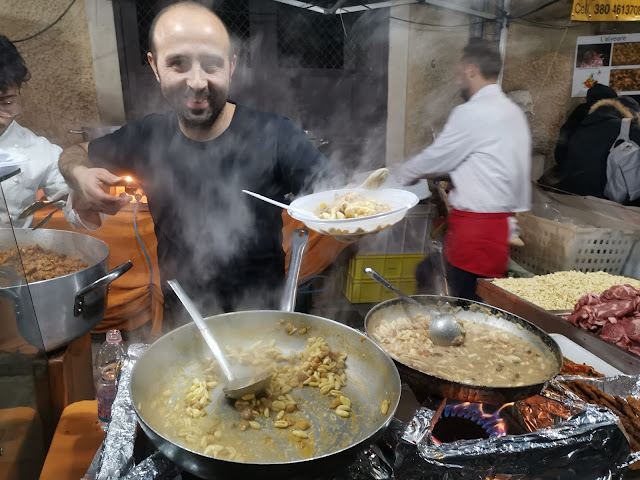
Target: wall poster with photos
x=612, y=60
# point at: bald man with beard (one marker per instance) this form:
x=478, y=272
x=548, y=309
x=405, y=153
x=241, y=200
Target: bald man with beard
x=224, y=247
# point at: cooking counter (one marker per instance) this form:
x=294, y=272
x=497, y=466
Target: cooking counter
x=617, y=357
x=353, y=315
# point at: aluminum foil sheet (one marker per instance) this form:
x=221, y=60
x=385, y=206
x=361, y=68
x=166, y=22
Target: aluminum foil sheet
x=621, y=385
x=117, y=460
x=567, y=439
x=540, y=411
x=155, y=466
x=117, y=455
x=591, y=436
x=417, y=428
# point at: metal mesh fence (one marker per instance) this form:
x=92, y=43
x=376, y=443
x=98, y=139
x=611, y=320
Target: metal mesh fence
x=354, y=41
x=146, y=10
x=234, y=13
x=308, y=39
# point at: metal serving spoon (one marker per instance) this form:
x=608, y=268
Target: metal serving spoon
x=236, y=387
x=56, y=199
x=284, y=206
x=444, y=329
x=46, y=219
x=35, y=206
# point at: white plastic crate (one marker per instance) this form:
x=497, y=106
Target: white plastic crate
x=552, y=246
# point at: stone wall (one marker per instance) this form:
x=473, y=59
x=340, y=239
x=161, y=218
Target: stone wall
x=541, y=60
x=61, y=94
x=538, y=59
x=431, y=89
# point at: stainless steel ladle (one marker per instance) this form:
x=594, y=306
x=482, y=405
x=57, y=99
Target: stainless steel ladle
x=444, y=329
x=236, y=387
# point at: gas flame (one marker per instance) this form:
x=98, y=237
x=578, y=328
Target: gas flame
x=492, y=423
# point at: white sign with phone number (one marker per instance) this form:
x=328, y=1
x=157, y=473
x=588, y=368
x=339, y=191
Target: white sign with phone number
x=612, y=60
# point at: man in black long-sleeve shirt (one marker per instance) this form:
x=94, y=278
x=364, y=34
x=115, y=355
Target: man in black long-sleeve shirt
x=224, y=247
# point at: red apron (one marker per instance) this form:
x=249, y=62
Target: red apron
x=478, y=242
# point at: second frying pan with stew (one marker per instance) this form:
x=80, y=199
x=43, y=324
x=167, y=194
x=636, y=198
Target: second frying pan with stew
x=504, y=357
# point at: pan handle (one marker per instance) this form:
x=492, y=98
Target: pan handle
x=298, y=244
x=6, y=292
x=438, y=247
x=101, y=282
x=386, y=284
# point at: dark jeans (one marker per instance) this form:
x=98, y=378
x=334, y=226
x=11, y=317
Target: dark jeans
x=430, y=277
x=462, y=284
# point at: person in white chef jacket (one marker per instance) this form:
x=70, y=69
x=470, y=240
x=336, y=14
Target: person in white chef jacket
x=485, y=147
x=37, y=157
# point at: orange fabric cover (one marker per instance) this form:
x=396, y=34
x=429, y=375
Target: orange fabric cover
x=128, y=305
x=21, y=440
x=128, y=301
x=321, y=250
x=10, y=339
x=75, y=442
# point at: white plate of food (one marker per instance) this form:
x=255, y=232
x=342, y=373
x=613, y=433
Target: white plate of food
x=354, y=211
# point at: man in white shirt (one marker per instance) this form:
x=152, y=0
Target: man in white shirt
x=38, y=157
x=485, y=147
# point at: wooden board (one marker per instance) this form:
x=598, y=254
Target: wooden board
x=22, y=442
x=617, y=357
x=74, y=444
x=71, y=375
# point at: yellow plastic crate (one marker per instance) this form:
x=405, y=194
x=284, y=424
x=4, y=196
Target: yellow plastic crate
x=401, y=266
x=370, y=291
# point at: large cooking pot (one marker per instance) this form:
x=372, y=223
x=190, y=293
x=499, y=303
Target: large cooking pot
x=64, y=308
x=371, y=379
x=424, y=384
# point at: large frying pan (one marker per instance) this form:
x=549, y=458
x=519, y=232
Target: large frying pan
x=371, y=378
x=424, y=384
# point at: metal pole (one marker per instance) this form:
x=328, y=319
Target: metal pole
x=335, y=7
x=458, y=8
x=356, y=8
x=498, y=22
x=506, y=4
x=478, y=27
